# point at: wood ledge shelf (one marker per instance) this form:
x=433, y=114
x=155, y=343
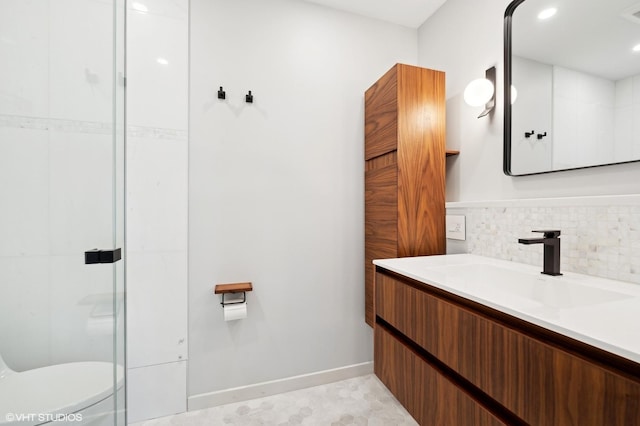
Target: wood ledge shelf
x=451, y=152
x=233, y=288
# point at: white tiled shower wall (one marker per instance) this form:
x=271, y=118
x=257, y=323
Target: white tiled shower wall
x=56, y=145
x=600, y=235
x=157, y=201
x=56, y=148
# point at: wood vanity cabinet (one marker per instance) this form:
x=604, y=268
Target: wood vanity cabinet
x=404, y=168
x=449, y=360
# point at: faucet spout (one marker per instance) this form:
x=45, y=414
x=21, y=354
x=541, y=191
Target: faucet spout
x=551, y=244
x=528, y=241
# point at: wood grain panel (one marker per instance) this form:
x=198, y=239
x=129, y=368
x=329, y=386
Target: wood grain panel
x=388, y=159
x=426, y=394
x=541, y=382
x=380, y=224
x=421, y=161
x=404, y=127
x=233, y=288
x=380, y=122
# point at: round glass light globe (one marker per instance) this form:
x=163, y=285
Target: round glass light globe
x=478, y=92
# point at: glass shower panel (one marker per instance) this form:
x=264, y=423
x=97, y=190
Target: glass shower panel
x=119, y=117
x=62, y=321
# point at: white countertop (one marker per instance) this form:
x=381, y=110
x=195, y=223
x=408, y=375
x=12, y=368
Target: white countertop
x=600, y=312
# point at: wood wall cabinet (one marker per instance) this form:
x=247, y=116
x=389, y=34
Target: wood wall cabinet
x=515, y=371
x=404, y=168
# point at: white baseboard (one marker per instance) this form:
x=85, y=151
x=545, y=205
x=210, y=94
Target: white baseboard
x=259, y=390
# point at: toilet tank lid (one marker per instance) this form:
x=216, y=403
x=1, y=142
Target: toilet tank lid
x=57, y=389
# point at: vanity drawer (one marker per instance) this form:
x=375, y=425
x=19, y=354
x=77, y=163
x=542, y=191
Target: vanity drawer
x=541, y=383
x=426, y=394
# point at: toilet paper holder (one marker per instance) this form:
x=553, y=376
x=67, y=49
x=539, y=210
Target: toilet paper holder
x=233, y=288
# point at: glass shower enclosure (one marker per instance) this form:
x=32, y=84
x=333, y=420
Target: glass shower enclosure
x=62, y=136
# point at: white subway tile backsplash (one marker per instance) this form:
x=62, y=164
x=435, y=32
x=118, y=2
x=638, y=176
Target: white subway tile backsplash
x=597, y=239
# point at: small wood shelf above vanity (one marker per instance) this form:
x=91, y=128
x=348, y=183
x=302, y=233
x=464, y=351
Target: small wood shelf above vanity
x=452, y=152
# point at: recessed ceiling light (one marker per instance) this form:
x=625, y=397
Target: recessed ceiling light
x=547, y=13
x=139, y=7
x=636, y=48
x=162, y=61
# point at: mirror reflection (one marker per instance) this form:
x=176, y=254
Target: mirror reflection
x=576, y=67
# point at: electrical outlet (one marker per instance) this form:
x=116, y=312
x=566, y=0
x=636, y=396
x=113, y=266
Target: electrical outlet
x=455, y=226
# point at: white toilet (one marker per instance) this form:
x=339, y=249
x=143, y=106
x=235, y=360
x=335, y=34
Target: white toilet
x=72, y=391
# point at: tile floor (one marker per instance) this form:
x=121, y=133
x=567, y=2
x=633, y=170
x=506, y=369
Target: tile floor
x=359, y=401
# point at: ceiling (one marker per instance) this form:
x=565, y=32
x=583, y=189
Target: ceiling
x=409, y=13
x=592, y=36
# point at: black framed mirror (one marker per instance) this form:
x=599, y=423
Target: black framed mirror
x=574, y=68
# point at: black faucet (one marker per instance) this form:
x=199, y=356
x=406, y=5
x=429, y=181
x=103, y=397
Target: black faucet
x=551, y=250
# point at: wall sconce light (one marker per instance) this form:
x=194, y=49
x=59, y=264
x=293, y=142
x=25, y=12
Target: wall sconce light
x=482, y=92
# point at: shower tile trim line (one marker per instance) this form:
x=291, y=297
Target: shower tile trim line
x=90, y=127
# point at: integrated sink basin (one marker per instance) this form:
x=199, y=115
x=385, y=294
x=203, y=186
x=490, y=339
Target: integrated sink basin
x=509, y=286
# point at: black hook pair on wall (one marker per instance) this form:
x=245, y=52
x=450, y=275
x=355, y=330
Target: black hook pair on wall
x=533, y=132
x=248, y=98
